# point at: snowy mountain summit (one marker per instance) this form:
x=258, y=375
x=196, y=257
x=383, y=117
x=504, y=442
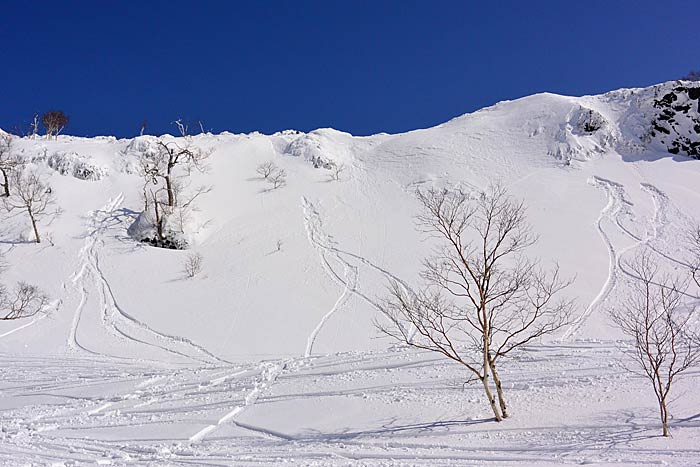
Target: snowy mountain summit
x=214, y=298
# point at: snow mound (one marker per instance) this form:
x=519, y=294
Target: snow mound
x=78, y=166
x=323, y=148
x=175, y=226
x=585, y=134
x=134, y=150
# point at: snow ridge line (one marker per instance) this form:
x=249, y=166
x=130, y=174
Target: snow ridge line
x=616, y=202
x=321, y=241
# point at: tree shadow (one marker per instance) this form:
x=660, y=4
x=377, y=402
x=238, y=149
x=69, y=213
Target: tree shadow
x=389, y=427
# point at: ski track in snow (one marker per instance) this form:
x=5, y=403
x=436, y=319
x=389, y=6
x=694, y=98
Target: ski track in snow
x=115, y=320
x=616, y=203
x=270, y=371
x=661, y=220
x=54, y=305
x=133, y=412
x=99, y=401
x=325, y=245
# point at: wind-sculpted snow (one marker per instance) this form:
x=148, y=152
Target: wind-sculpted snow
x=70, y=163
x=271, y=354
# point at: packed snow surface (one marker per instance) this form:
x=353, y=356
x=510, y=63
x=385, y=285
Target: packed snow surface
x=270, y=355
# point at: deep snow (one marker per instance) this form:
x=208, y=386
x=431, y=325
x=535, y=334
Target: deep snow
x=270, y=355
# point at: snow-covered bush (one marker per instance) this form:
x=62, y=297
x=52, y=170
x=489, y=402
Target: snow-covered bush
x=137, y=148
x=75, y=165
x=309, y=147
x=165, y=165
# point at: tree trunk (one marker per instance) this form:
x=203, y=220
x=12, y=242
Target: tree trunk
x=485, y=381
x=159, y=220
x=6, y=185
x=492, y=400
x=664, y=417
x=499, y=389
x=36, y=230
x=171, y=193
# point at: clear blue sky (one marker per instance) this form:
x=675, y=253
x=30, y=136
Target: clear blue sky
x=358, y=66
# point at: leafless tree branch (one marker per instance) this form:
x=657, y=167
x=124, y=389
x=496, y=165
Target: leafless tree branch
x=499, y=300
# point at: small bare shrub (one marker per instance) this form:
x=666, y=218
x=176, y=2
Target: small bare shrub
x=193, y=264
x=277, y=179
x=266, y=169
x=27, y=300
x=336, y=172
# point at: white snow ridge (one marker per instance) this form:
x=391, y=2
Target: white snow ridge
x=271, y=355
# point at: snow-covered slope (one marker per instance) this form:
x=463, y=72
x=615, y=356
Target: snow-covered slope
x=297, y=271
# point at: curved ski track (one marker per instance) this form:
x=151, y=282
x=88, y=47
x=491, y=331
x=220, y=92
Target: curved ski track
x=616, y=203
x=115, y=320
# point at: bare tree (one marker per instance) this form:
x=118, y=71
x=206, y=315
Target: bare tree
x=7, y=162
x=144, y=124
x=170, y=205
x=483, y=298
x=694, y=242
x=182, y=127
x=34, y=127
x=54, y=121
x=266, y=169
x=193, y=264
x=31, y=194
x=336, y=171
x=159, y=164
x=27, y=300
x=277, y=178
x=658, y=322
x=156, y=202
